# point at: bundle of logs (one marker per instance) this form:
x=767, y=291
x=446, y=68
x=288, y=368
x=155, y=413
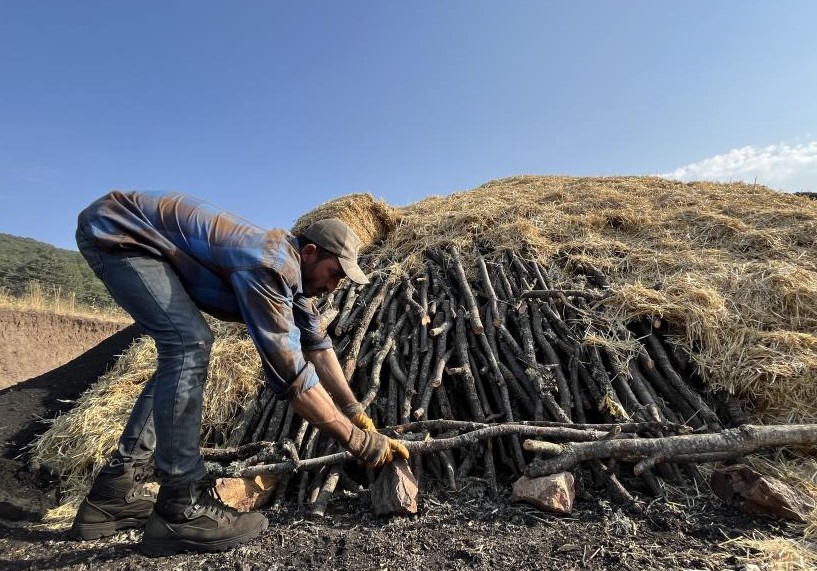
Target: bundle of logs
x=495, y=375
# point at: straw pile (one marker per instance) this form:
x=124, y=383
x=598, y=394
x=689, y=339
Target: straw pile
x=372, y=220
x=716, y=282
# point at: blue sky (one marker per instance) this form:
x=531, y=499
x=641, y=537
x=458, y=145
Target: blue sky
x=270, y=108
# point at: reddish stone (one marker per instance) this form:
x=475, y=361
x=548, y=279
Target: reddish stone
x=554, y=493
x=754, y=493
x=246, y=494
x=394, y=492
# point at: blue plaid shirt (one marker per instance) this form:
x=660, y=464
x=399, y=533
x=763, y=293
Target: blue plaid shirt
x=231, y=268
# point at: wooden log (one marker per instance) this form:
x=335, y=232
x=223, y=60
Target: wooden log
x=274, y=425
x=469, y=382
x=491, y=431
x=447, y=468
x=468, y=295
x=249, y=419
x=593, y=274
x=377, y=364
x=441, y=399
x=287, y=424
x=469, y=460
x=744, y=439
x=433, y=383
x=263, y=420
x=544, y=392
x=489, y=288
x=610, y=399
x=363, y=302
x=601, y=429
x=424, y=281
x=663, y=387
x=521, y=272
x=520, y=387
x=419, y=310
x=489, y=470
x=693, y=398
x=388, y=303
x=511, y=288
x=578, y=407
x=552, y=359
x=326, y=492
x=346, y=310
x=363, y=326
x=411, y=382
x=306, y=453
x=647, y=395
x=541, y=276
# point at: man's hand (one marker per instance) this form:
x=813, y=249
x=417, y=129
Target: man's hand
x=356, y=413
x=374, y=448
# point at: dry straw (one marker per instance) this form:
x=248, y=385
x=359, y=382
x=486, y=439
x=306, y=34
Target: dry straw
x=372, y=220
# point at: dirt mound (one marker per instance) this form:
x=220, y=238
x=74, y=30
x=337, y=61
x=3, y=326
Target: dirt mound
x=24, y=405
x=35, y=342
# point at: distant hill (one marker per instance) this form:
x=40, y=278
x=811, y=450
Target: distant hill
x=24, y=260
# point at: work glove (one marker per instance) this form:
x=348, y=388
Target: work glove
x=375, y=449
x=357, y=414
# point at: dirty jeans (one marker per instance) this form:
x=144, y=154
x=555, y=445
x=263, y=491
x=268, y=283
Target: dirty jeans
x=166, y=419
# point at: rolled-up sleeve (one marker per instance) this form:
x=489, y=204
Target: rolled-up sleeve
x=267, y=307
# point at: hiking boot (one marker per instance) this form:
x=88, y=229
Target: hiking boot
x=117, y=500
x=193, y=517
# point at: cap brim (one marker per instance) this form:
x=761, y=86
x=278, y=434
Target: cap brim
x=353, y=271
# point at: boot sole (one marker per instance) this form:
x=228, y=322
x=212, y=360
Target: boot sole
x=89, y=531
x=162, y=547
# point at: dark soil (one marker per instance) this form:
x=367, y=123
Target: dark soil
x=469, y=529
x=24, y=405
x=33, y=342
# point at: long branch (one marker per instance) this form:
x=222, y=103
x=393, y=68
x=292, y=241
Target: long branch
x=744, y=439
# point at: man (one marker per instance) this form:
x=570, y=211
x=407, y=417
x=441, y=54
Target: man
x=165, y=258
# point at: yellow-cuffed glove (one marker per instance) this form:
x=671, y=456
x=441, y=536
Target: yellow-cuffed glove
x=357, y=414
x=375, y=449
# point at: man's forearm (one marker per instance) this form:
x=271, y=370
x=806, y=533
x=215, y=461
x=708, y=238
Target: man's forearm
x=331, y=375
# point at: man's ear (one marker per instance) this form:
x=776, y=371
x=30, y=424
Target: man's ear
x=308, y=252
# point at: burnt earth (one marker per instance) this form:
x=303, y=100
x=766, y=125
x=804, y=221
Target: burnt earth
x=466, y=530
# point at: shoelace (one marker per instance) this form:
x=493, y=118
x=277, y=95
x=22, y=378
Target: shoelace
x=210, y=501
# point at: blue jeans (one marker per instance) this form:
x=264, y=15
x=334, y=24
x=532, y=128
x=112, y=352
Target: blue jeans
x=166, y=419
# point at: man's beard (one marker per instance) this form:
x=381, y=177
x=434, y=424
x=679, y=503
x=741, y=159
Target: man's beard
x=310, y=288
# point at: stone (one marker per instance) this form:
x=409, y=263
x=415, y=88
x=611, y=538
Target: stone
x=757, y=494
x=246, y=494
x=554, y=493
x=394, y=492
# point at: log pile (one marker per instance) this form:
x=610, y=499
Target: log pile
x=490, y=369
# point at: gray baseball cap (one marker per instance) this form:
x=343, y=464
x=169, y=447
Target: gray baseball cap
x=335, y=236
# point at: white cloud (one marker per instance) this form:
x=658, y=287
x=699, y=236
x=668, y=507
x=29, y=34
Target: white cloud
x=785, y=167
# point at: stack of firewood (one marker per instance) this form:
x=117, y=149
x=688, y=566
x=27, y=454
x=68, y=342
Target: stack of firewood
x=488, y=368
